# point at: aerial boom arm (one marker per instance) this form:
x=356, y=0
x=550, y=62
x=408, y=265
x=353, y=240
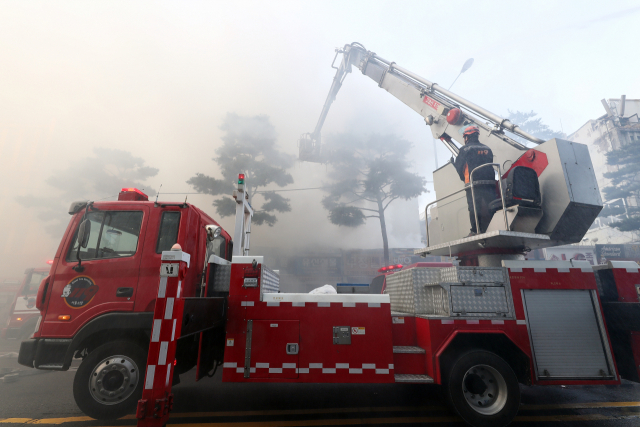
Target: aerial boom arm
x=441, y=109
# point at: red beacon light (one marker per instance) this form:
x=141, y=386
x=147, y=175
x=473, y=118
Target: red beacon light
x=390, y=268
x=132, y=195
x=50, y=262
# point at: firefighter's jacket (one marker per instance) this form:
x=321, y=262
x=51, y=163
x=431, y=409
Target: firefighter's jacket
x=472, y=155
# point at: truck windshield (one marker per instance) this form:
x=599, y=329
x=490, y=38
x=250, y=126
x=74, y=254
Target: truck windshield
x=31, y=288
x=114, y=234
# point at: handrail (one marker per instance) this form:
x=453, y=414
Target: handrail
x=473, y=198
x=504, y=210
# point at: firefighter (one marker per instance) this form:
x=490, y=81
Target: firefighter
x=472, y=155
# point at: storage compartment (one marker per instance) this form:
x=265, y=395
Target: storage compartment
x=479, y=298
x=273, y=347
x=567, y=335
x=408, y=292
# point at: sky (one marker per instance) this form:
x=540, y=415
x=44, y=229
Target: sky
x=157, y=78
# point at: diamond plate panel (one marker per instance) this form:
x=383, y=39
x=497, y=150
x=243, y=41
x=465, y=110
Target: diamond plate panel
x=479, y=299
x=407, y=291
x=221, y=277
x=413, y=378
x=474, y=274
x=270, y=282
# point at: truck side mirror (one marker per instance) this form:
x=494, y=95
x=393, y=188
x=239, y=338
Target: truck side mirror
x=84, y=231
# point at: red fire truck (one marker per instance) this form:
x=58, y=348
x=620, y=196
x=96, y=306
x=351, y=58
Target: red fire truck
x=482, y=331
x=143, y=292
x=23, y=314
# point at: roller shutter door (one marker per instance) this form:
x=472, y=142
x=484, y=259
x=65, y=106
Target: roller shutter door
x=566, y=335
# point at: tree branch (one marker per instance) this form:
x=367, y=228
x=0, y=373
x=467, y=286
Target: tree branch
x=388, y=203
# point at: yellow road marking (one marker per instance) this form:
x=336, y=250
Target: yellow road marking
x=580, y=405
x=297, y=411
x=334, y=422
x=407, y=420
x=61, y=420
x=523, y=418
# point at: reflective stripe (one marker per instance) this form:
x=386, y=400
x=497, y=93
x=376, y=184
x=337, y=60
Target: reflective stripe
x=515, y=270
x=247, y=303
x=539, y=270
x=328, y=370
x=166, y=381
x=273, y=304
x=162, y=288
x=324, y=304
x=288, y=365
x=155, y=335
x=262, y=365
x=473, y=322
x=315, y=365
x=368, y=366
x=382, y=371
x=348, y=304
x=521, y=322
x=564, y=270
x=390, y=366
x=497, y=322
x=162, y=357
x=173, y=332
x=297, y=304
x=302, y=370
x=179, y=289
x=230, y=365
x=373, y=304
x=447, y=322
x=151, y=372
x=355, y=371
x=275, y=370
x=342, y=366
x=168, y=310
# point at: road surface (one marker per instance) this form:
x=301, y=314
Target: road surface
x=45, y=398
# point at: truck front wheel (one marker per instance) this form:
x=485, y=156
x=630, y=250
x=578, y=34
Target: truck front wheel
x=483, y=389
x=108, y=383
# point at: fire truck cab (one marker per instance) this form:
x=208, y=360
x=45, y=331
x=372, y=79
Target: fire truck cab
x=97, y=301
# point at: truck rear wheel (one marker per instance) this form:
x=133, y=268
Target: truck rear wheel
x=483, y=389
x=108, y=383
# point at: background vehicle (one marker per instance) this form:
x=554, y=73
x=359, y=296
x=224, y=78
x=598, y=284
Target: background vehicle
x=23, y=315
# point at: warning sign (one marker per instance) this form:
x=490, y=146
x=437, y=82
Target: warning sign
x=397, y=319
x=230, y=342
x=357, y=330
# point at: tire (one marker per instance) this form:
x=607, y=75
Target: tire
x=483, y=389
x=122, y=383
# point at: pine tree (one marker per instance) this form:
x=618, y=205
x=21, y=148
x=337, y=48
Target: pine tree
x=249, y=146
x=368, y=174
x=625, y=182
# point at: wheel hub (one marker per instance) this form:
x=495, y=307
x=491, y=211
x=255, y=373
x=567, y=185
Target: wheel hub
x=113, y=380
x=484, y=389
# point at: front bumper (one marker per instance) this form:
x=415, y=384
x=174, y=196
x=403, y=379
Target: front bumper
x=44, y=353
x=10, y=333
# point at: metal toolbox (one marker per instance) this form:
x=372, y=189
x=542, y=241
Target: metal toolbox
x=474, y=274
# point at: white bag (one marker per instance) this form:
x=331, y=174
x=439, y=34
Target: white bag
x=324, y=290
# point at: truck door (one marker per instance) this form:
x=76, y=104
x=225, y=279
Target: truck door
x=274, y=348
x=111, y=264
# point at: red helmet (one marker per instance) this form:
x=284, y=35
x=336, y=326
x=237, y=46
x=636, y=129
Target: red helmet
x=471, y=130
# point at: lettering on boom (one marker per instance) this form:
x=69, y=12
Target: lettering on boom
x=431, y=102
x=79, y=292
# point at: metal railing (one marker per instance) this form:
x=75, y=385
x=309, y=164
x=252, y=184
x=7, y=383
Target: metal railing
x=475, y=211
